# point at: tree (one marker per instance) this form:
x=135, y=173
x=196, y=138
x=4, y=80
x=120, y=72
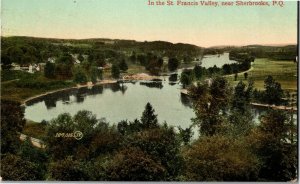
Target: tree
x=210, y=103
x=235, y=76
x=198, y=71
x=246, y=75
x=64, y=66
x=241, y=117
x=242, y=97
x=173, y=77
x=49, y=70
x=187, y=59
x=28, y=59
x=123, y=65
x=86, y=66
x=163, y=146
x=63, y=71
x=149, y=119
x=273, y=91
x=220, y=158
x=132, y=164
x=142, y=59
x=271, y=142
x=173, y=64
x=154, y=66
x=80, y=58
x=96, y=136
x=35, y=155
x=15, y=168
x=12, y=123
x=115, y=71
x=185, y=134
x=185, y=79
x=96, y=74
x=227, y=69
x=79, y=76
x=60, y=147
x=15, y=54
x=133, y=57
x=66, y=59
x=68, y=170
x=6, y=61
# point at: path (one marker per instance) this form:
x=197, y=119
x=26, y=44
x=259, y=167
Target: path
x=35, y=142
x=275, y=107
x=9, y=81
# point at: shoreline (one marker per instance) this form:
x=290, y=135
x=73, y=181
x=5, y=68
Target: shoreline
x=135, y=77
x=281, y=107
x=78, y=86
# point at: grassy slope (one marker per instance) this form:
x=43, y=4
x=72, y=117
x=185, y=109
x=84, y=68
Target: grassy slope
x=33, y=129
x=10, y=90
x=284, y=72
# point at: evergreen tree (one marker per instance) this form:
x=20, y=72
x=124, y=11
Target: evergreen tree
x=242, y=97
x=198, y=71
x=273, y=92
x=246, y=75
x=173, y=64
x=149, y=119
x=80, y=76
x=211, y=103
x=235, y=76
x=12, y=123
x=115, y=71
x=185, y=80
x=123, y=65
x=277, y=152
x=96, y=74
x=49, y=70
x=6, y=61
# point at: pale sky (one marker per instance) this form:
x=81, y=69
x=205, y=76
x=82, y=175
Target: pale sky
x=134, y=19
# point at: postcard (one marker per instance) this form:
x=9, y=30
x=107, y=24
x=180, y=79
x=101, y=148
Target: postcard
x=149, y=90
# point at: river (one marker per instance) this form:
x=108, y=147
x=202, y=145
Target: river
x=123, y=101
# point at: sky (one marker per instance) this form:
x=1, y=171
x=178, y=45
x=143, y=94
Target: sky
x=135, y=20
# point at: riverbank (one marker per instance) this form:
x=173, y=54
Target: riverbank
x=140, y=76
x=89, y=84
x=286, y=108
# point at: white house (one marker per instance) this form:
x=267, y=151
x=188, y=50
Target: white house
x=15, y=66
x=51, y=59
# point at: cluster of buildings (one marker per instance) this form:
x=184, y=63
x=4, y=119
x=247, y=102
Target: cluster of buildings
x=30, y=68
x=37, y=67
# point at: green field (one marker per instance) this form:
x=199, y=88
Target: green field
x=284, y=72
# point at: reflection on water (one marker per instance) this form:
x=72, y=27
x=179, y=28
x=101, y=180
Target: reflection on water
x=152, y=84
x=185, y=100
x=259, y=111
x=121, y=101
x=173, y=77
x=116, y=102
